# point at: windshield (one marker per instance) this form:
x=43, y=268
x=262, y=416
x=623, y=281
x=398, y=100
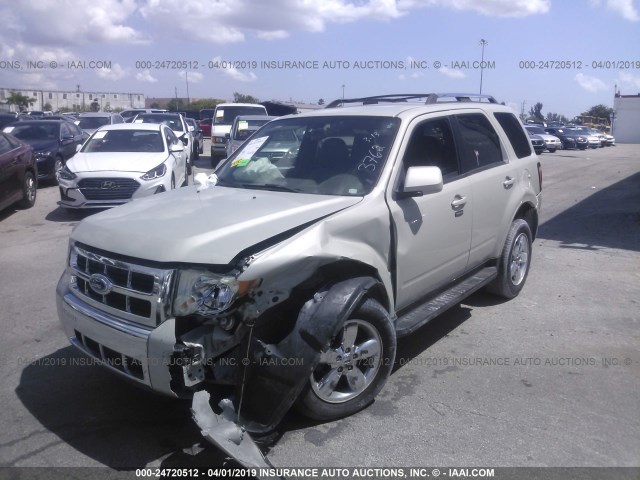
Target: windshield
x=33, y=132
x=91, y=123
x=226, y=115
x=341, y=155
x=124, y=141
x=172, y=121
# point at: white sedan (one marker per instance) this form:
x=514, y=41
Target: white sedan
x=123, y=162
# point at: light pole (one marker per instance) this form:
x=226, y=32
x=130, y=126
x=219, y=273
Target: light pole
x=186, y=77
x=483, y=42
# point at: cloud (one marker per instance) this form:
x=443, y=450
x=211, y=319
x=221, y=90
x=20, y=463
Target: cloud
x=589, y=83
x=492, y=8
x=234, y=73
x=624, y=8
x=451, y=73
x=629, y=80
x=273, y=35
x=72, y=22
x=145, y=76
x=193, y=77
x=116, y=72
x=229, y=21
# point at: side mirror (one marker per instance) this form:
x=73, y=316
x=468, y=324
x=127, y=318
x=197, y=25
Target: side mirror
x=176, y=147
x=78, y=147
x=421, y=181
x=191, y=128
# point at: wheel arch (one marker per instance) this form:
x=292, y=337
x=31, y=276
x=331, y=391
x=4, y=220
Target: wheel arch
x=529, y=214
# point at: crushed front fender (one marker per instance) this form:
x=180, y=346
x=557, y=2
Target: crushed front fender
x=276, y=373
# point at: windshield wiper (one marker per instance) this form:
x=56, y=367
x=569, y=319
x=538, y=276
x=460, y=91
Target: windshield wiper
x=270, y=186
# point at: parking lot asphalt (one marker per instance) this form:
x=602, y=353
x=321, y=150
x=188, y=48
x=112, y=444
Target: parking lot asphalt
x=550, y=378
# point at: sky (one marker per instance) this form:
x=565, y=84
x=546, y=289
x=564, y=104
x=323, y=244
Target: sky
x=566, y=54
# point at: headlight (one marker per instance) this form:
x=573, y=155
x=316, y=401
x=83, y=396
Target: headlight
x=157, y=172
x=40, y=155
x=206, y=293
x=66, y=174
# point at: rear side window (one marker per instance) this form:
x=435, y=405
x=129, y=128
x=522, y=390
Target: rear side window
x=480, y=143
x=511, y=126
x=5, y=145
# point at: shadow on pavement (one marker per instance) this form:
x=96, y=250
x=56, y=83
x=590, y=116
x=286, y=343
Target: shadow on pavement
x=608, y=218
x=109, y=420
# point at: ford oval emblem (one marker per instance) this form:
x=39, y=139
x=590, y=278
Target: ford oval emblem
x=100, y=284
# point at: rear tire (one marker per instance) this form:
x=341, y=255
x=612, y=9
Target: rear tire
x=29, y=191
x=514, y=263
x=354, y=367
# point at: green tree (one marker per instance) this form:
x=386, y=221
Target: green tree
x=20, y=101
x=95, y=106
x=154, y=105
x=176, y=104
x=205, y=103
x=601, y=111
x=240, y=98
x=321, y=101
x=554, y=117
x=47, y=107
x=535, y=112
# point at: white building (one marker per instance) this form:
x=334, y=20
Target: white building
x=626, y=120
x=74, y=101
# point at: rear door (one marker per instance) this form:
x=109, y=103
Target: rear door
x=485, y=161
x=433, y=232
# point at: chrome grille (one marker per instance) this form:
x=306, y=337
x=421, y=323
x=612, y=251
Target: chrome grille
x=108, y=188
x=133, y=292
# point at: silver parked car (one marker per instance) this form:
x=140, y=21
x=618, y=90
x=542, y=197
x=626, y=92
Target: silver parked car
x=291, y=283
x=89, y=122
x=243, y=127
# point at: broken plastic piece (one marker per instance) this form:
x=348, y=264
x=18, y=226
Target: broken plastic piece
x=224, y=433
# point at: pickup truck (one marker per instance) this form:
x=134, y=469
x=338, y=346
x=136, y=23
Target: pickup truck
x=285, y=280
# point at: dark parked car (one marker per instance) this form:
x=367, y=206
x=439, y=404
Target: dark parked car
x=569, y=138
x=54, y=142
x=7, y=118
x=205, y=126
x=198, y=137
x=18, y=173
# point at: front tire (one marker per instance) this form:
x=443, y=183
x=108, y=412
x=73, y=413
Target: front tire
x=29, y=191
x=513, y=266
x=58, y=164
x=354, y=366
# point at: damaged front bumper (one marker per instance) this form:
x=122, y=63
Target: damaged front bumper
x=263, y=379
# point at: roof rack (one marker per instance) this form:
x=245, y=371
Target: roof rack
x=405, y=97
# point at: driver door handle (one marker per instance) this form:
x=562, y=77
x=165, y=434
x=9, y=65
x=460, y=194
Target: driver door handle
x=458, y=202
x=508, y=182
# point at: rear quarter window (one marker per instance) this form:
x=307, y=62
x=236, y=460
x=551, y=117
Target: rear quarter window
x=515, y=133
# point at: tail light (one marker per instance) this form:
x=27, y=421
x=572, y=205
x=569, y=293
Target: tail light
x=540, y=175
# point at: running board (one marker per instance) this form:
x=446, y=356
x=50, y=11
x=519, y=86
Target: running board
x=425, y=312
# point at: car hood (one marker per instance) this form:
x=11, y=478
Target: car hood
x=115, y=161
x=208, y=227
